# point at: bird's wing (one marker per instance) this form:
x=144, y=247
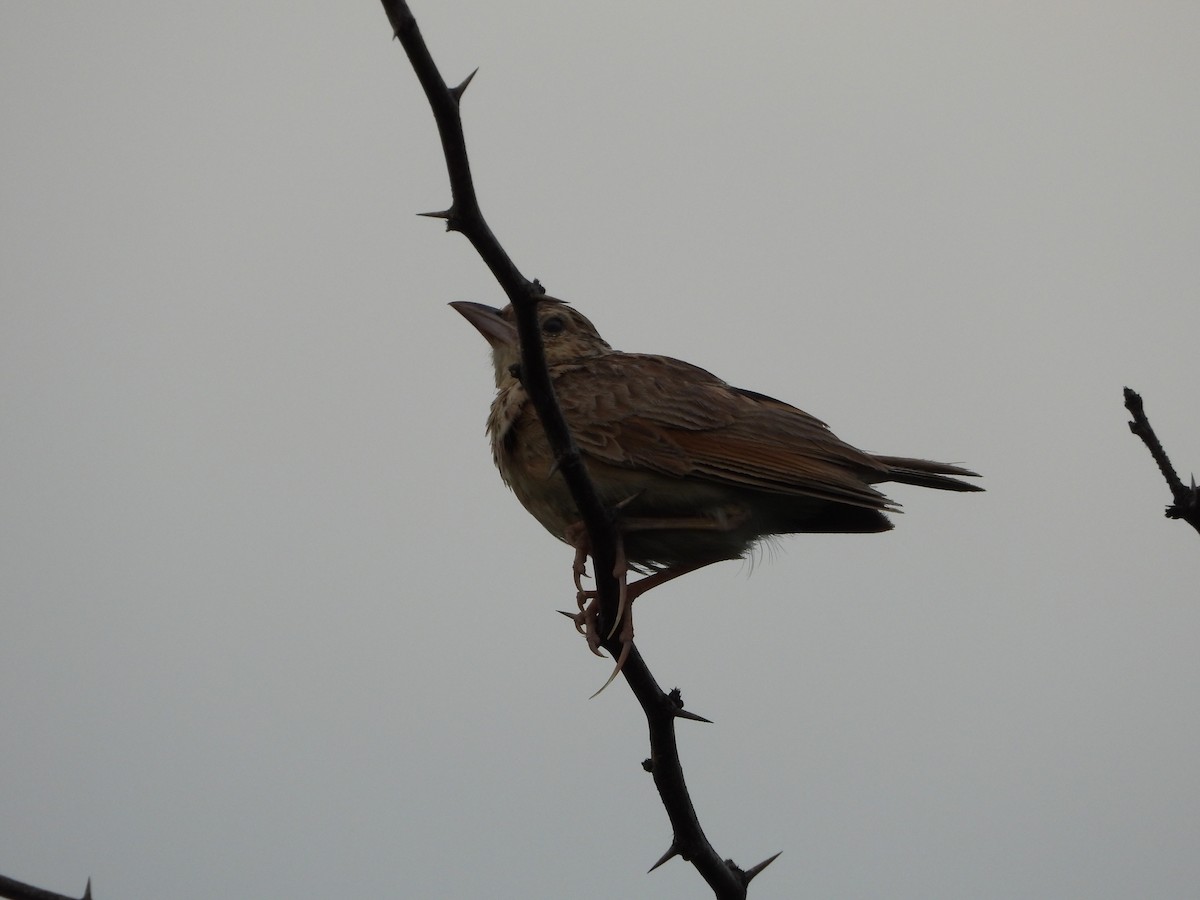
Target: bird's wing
x=668, y=416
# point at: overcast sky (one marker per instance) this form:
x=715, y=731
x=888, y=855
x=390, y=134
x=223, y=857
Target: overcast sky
x=272, y=625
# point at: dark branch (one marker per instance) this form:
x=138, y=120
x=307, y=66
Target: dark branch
x=16, y=890
x=464, y=215
x=1186, y=503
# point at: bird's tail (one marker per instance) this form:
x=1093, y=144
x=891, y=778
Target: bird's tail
x=924, y=473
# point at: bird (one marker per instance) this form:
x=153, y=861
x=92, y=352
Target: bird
x=697, y=471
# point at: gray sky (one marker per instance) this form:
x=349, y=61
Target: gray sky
x=274, y=628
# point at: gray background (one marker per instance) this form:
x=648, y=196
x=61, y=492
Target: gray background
x=272, y=627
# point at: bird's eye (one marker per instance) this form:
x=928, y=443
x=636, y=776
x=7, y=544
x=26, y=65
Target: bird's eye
x=553, y=325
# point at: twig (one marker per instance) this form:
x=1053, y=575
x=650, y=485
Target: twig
x=464, y=215
x=1187, y=499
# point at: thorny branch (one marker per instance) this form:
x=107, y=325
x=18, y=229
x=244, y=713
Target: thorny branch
x=1187, y=499
x=661, y=709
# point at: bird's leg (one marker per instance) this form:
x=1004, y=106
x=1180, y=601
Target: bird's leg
x=629, y=593
x=588, y=618
x=662, y=576
x=624, y=619
x=576, y=534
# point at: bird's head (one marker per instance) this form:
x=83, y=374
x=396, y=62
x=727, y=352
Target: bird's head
x=567, y=335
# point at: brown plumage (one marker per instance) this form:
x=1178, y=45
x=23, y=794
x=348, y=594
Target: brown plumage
x=701, y=470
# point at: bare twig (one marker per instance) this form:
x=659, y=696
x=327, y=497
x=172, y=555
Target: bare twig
x=661, y=709
x=1187, y=500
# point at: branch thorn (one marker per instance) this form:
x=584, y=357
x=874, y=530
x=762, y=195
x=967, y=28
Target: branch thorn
x=458, y=91
x=616, y=670
x=750, y=873
x=672, y=851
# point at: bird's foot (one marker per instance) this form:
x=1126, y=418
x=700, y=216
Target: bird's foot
x=621, y=573
x=624, y=619
x=587, y=620
x=587, y=623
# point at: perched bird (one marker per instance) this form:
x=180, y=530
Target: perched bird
x=698, y=470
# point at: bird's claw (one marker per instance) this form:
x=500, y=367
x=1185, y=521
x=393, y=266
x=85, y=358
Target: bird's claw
x=626, y=646
x=587, y=620
x=621, y=573
x=587, y=623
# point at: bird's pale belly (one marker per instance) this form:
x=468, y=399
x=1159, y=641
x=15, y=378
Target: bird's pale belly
x=665, y=521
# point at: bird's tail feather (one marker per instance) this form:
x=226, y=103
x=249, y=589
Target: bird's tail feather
x=924, y=473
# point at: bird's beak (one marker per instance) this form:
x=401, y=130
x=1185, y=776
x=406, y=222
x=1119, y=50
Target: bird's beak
x=498, y=332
